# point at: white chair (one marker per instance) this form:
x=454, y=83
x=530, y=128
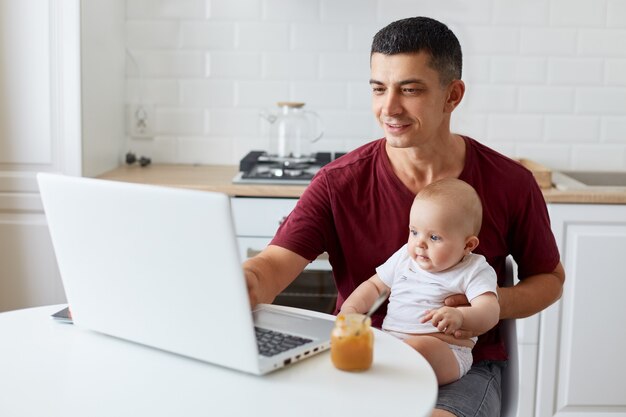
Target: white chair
x=510, y=374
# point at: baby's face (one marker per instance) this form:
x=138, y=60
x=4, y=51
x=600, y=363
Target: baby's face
x=436, y=242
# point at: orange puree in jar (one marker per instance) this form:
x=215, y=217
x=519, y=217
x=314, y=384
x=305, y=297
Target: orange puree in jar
x=352, y=343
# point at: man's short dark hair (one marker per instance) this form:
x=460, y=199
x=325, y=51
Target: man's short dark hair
x=417, y=34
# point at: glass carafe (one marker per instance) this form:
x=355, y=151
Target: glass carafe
x=292, y=130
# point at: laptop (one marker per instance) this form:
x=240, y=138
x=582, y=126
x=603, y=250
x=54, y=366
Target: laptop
x=160, y=267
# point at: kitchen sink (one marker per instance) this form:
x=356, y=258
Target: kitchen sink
x=590, y=180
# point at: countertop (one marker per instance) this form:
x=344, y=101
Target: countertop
x=219, y=178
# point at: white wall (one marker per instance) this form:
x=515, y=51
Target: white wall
x=546, y=79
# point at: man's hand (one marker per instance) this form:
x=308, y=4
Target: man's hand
x=456, y=300
x=252, y=282
x=446, y=319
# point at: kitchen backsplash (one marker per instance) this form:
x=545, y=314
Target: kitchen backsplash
x=545, y=80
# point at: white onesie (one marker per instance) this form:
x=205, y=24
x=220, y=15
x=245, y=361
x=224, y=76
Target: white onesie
x=414, y=291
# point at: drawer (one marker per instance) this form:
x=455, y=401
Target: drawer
x=250, y=246
x=260, y=217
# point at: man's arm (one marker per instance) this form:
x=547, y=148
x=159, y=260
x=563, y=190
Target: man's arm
x=528, y=297
x=532, y=294
x=270, y=272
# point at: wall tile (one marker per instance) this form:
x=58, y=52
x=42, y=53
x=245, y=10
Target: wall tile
x=544, y=99
x=359, y=95
x=482, y=98
x=163, y=34
x=207, y=93
x=549, y=42
x=261, y=93
x=603, y=101
x=485, y=40
x=234, y=10
x=205, y=150
x=314, y=37
x=234, y=65
x=318, y=95
x=515, y=12
x=235, y=122
x=575, y=71
x=168, y=9
x=203, y=34
x=179, y=121
x=602, y=43
x=519, y=128
x=166, y=64
x=615, y=71
x=544, y=80
x=578, y=13
x=360, y=36
x=152, y=90
x=344, y=66
x=518, y=70
x=614, y=129
x=262, y=36
x=290, y=10
x=606, y=157
x=572, y=128
x=550, y=155
x=348, y=11
x=290, y=65
x=616, y=13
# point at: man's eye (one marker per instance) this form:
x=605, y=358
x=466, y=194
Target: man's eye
x=378, y=90
x=412, y=91
x=435, y=238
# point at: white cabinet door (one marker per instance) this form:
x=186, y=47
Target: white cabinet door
x=45, y=88
x=581, y=361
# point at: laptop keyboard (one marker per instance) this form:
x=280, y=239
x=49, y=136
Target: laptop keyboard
x=272, y=343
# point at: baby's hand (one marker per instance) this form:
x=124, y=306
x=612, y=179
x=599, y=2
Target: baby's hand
x=446, y=319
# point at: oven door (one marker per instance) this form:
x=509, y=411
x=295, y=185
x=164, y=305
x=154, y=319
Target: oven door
x=314, y=289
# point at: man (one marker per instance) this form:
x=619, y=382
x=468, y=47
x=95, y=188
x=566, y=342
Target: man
x=356, y=207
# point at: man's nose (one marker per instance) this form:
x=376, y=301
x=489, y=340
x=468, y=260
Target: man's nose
x=392, y=105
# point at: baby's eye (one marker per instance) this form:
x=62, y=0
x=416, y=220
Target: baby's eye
x=413, y=232
x=435, y=238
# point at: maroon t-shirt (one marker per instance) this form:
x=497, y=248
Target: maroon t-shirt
x=357, y=210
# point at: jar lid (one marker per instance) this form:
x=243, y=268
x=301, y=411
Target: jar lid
x=294, y=104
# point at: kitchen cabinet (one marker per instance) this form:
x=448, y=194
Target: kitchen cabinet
x=580, y=365
x=256, y=221
x=61, y=83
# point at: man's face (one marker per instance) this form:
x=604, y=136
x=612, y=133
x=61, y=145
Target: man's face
x=407, y=98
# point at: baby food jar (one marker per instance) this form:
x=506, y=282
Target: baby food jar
x=352, y=342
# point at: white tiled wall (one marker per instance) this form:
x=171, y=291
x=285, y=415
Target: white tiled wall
x=546, y=79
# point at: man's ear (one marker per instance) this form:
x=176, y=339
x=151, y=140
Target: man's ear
x=470, y=244
x=456, y=91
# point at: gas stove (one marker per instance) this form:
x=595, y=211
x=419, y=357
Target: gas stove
x=259, y=167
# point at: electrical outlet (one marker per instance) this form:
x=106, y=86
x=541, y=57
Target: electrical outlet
x=141, y=120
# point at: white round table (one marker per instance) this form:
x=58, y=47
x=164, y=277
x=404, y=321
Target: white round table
x=48, y=368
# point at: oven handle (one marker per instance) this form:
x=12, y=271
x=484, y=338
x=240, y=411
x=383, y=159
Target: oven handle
x=322, y=262
x=254, y=252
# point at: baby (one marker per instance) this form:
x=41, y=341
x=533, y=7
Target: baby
x=436, y=262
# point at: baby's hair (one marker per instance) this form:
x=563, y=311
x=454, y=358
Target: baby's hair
x=459, y=195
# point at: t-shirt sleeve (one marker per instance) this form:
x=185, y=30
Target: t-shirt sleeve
x=306, y=230
x=483, y=279
x=532, y=242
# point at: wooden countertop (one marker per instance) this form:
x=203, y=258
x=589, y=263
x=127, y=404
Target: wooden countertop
x=219, y=178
